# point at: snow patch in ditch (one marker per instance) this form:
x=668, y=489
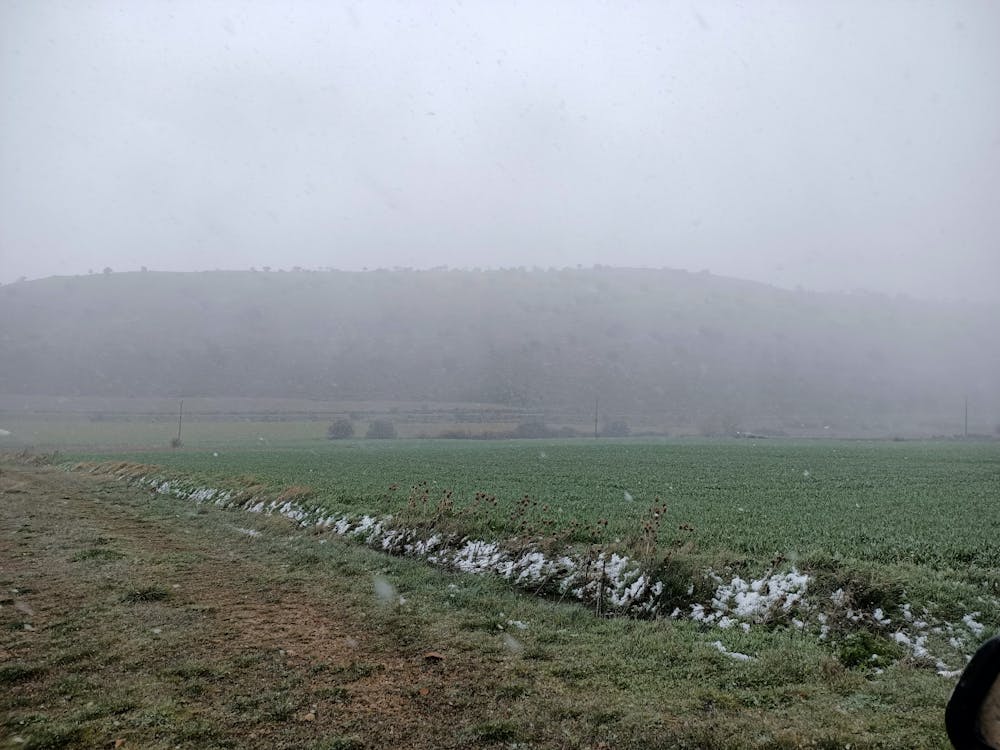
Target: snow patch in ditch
x=618, y=582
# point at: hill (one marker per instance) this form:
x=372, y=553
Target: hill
x=662, y=349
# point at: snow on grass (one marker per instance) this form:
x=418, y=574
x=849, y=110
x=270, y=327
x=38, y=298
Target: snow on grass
x=617, y=580
x=754, y=601
x=977, y=628
x=731, y=654
x=621, y=585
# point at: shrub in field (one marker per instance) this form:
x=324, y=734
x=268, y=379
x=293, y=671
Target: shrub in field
x=683, y=581
x=865, y=587
x=341, y=429
x=381, y=429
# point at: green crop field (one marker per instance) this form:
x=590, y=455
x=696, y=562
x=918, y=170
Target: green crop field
x=921, y=503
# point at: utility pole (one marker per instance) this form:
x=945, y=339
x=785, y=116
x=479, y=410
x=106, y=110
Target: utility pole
x=967, y=416
x=180, y=419
x=596, y=402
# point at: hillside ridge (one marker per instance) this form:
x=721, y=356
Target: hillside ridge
x=686, y=347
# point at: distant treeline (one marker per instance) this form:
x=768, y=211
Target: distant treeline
x=640, y=347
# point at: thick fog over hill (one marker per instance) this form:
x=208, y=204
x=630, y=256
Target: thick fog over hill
x=665, y=348
x=843, y=159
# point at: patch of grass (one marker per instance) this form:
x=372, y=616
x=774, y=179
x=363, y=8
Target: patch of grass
x=193, y=670
x=340, y=742
x=484, y=624
x=145, y=594
x=51, y=736
x=303, y=558
x=267, y=706
x=74, y=685
x=199, y=733
x=355, y=671
x=511, y=692
x=573, y=672
x=99, y=554
x=536, y=652
x=157, y=718
x=336, y=693
x=776, y=668
x=13, y=673
x=600, y=717
x=278, y=708
x=863, y=648
x=497, y=731
x=74, y=655
x=194, y=677
x=108, y=706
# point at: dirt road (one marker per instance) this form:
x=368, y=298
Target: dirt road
x=130, y=620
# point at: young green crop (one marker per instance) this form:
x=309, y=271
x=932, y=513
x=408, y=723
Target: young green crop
x=927, y=503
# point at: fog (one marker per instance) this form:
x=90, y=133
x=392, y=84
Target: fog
x=669, y=218
x=463, y=353
x=833, y=146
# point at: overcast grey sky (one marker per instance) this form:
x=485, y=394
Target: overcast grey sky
x=836, y=145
